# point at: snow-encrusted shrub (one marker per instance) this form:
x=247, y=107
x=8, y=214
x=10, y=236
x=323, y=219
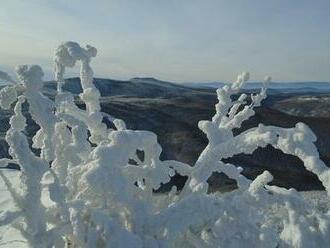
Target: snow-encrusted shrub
x=84, y=191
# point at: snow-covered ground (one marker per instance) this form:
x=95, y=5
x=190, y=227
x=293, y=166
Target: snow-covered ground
x=10, y=238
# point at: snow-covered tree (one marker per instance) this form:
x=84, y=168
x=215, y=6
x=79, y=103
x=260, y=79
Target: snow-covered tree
x=82, y=189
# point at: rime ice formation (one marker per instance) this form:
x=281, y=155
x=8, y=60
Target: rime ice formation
x=67, y=55
x=90, y=186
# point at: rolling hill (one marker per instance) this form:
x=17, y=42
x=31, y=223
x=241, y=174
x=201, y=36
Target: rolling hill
x=172, y=111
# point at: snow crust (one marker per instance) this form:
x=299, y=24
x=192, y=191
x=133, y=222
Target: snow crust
x=90, y=188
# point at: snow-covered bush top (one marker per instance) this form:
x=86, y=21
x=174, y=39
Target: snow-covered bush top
x=83, y=190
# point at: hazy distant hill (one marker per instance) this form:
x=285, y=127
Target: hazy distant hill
x=274, y=86
x=306, y=105
x=172, y=111
x=135, y=87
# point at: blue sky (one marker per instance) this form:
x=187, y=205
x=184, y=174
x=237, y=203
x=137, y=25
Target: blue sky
x=177, y=40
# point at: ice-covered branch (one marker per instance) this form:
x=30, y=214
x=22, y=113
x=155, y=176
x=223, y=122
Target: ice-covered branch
x=67, y=55
x=32, y=168
x=96, y=187
x=230, y=114
x=41, y=109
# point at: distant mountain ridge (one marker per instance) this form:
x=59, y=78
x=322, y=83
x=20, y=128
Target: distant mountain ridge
x=272, y=85
x=136, y=87
x=73, y=86
x=172, y=111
